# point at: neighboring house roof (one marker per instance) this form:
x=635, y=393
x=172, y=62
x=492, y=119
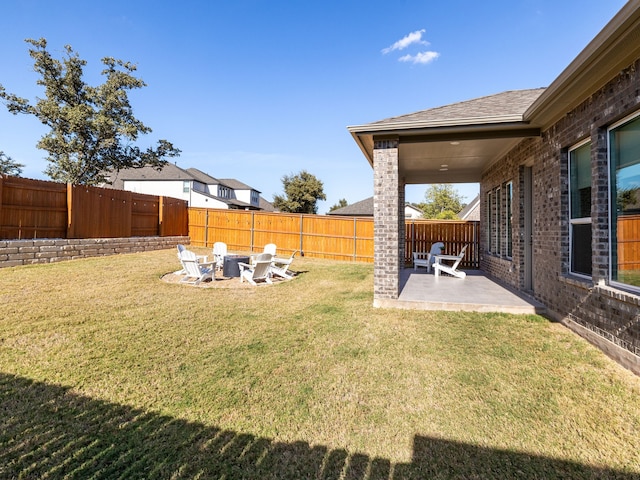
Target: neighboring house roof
x=363, y=208
x=171, y=172
x=168, y=172
x=411, y=211
x=236, y=185
x=472, y=210
x=266, y=205
x=202, y=177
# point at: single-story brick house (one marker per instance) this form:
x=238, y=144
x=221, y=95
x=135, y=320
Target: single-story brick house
x=559, y=174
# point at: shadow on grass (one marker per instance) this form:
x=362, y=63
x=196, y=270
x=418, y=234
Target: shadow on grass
x=46, y=431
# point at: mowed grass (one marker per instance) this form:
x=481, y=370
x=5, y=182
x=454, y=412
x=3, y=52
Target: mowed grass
x=108, y=372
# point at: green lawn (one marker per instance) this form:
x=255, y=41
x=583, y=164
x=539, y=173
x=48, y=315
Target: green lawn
x=108, y=372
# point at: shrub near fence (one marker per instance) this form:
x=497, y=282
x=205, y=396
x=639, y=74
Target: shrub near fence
x=331, y=237
x=31, y=209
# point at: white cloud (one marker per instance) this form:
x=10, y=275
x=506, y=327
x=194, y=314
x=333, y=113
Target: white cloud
x=413, y=37
x=422, y=58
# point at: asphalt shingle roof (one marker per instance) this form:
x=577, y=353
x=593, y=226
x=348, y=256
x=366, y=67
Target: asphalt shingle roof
x=505, y=104
x=363, y=208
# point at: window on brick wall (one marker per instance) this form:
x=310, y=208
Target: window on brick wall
x=580, y=209
x=499, y=220
x=490, y=221
x=508, y=198
x=624, y=186
x=497, y=230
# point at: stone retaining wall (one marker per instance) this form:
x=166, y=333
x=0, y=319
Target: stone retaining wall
x=49, y=250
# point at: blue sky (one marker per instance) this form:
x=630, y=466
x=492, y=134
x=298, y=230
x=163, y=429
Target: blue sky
x=257, y=89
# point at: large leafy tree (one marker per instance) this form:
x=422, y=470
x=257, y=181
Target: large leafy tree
x=442, y=202
x=93, y=129
x=8, y=166
x=301, y=193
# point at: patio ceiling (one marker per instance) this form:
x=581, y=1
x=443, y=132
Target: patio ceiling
x=456, y=159
x=454, y=143
x=446, y=154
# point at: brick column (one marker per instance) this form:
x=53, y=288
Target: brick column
x=599, y=206
x=387, y=219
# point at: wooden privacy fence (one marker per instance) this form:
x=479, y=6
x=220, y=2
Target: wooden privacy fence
x=37, y=209
x=338, y=238
x=455, y=234
x=629, y=242
x=316, y=236
x=32, y=209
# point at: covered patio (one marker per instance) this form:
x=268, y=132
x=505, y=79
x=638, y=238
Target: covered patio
x=451, y=144
x=477, y=292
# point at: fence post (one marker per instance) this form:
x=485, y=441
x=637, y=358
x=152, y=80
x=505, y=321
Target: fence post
x=70, y=222
x=252, y=233
x=301, y=233
x=206, y=227
x=161, y=216
x=1, y=217
x=413, y=237
x=355, y=239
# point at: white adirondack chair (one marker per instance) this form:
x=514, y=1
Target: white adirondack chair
x=280, y=266
x=269, y=248
x=195, y=271
x=426, y=259
x=219, y=251
x=181, y=248
x=452, y=269
x=259, y=271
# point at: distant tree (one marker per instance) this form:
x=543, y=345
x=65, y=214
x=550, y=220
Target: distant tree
x=301, y=194
x=92, y=128
x=442, y=202
x=628, y=199
x=8, y=166
x=341, y=203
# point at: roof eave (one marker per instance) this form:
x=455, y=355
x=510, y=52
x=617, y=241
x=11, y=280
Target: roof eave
x=429, y=124
x=613, y=49
x=484, y=127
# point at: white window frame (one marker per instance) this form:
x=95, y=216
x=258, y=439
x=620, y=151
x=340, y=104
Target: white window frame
x=508, y=219
x=575, y=221
x=498, y=220
x=620, y=123
x=490, y=221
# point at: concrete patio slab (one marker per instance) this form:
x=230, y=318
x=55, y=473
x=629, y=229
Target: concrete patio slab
x=420, y=290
